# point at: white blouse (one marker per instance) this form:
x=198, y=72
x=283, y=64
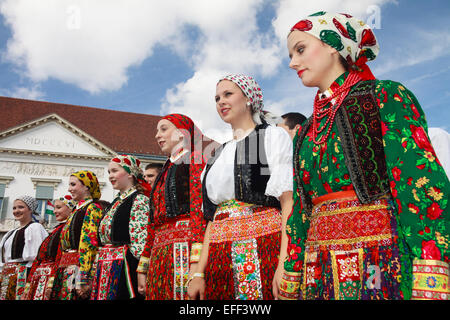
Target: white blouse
x=34, y=235
x=279, y=150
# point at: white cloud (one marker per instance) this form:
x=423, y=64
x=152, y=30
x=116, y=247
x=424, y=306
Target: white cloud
x=33, y=93
x=91, y=44
x=291, y=11
x=423, y=46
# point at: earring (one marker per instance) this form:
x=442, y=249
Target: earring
x=249, y=104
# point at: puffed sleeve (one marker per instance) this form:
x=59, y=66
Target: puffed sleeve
x=138, y=224
x=296, y=230
x=89, y=241
x=34, y=235
x=145, y=255
x=278, y=147
x=419, y=186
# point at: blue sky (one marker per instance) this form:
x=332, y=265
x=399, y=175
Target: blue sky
x=158, y=57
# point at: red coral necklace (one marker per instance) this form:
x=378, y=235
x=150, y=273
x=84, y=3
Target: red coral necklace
x=319, y=104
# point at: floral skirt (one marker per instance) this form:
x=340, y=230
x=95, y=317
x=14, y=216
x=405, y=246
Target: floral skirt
x=67, y=276
x=42, y=280
x=13, y=280
x=115, y=274
x=169, y=262
x=352, y=251
x=243, y=252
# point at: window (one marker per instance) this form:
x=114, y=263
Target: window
x=43, y=195
x=3, y=202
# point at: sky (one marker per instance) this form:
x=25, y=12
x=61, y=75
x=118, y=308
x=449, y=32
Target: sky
x=159, y=57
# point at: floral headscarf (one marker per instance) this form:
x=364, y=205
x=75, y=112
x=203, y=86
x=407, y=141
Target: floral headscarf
x=68, y=201
x=132, y=165
x=89, y=179
x=351, y=37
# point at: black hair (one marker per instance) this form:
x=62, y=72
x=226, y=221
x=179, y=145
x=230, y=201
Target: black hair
x=157, y=166
x=293, y=118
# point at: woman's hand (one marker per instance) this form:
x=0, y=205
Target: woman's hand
x=276, y=281
x=83, y=292
x=196, y=289
x=141, y=278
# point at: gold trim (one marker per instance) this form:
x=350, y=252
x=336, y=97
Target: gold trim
x=348, y=241
x=347, y=210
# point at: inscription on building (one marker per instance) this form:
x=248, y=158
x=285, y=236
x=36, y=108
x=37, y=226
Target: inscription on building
x=52, y=142
x=39, y=169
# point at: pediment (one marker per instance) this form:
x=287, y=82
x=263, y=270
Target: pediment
x=52, y=135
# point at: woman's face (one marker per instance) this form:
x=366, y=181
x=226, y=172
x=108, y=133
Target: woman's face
x=119, y=178
x=313, y=60
x=62, y=212
x=77, y=189
x=21, y=211
x=169, y=138
x=231, y=102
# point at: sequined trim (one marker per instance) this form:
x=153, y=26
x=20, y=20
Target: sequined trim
x=290, y=285
x=109, y=263
x=196, y=251
x=430, y=280
x=244, y=222
x=171, y=232
x=13, y=281
x=347, y=274
x=42, y=280
x=348, y=222
x=246, y=270
x=180, y=270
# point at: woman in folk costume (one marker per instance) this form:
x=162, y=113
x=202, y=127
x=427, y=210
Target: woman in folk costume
x=122, y=232
x=79, y=239
x=42, y=273
x=19, y=248
x=176, y=226
x=247, y=188
x=371, y=212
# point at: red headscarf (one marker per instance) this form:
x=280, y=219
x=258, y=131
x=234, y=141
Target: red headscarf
x=190, y=131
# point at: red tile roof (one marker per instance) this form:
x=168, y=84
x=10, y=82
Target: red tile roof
x=125, y=132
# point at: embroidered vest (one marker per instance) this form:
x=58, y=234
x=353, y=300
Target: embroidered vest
x=176, y=189
x=120, y=224
x=251, y=173
x=359, y=125
x=75, y=227
x=18, y=243
x=53, y=245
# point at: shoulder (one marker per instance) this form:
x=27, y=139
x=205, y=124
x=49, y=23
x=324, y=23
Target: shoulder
x=140, y=197
x=277, y=132
x=396, y=90
x=36, y=228
x=278, y=138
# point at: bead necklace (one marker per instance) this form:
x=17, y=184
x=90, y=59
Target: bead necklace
x=319, y=112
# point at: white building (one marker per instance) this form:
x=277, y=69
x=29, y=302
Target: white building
x=42, y=143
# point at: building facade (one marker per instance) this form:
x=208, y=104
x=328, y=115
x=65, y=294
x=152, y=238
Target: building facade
x=42, y=143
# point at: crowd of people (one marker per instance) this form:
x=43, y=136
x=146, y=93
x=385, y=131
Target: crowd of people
x=351, y=203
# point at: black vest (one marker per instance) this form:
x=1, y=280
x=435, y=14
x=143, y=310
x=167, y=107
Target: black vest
x=176, y=189
x=53, y=244
x=76, y=225
x=18, y=243
x=251, y=173
x=120, y=224
x=359, y=125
